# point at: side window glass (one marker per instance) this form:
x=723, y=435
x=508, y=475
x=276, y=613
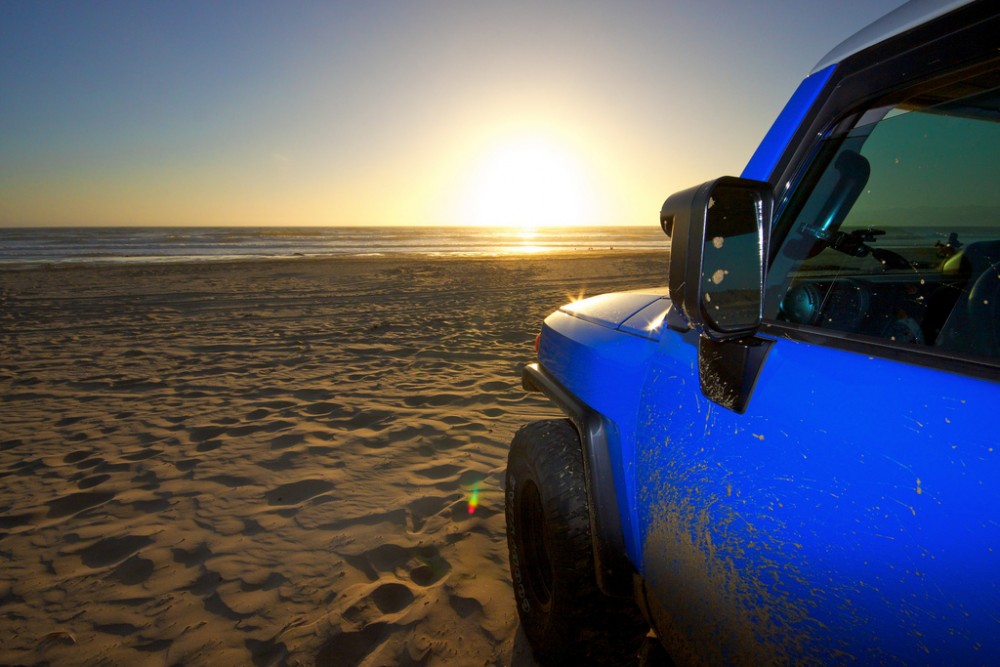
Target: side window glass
x=894, y=232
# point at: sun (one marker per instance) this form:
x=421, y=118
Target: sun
x=527, y=182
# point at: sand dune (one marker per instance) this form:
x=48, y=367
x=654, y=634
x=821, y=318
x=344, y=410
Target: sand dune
x=269, y=462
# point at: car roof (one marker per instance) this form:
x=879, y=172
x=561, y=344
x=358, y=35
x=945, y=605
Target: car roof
x=899, y=20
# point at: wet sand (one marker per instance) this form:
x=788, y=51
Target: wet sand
x=270, y=462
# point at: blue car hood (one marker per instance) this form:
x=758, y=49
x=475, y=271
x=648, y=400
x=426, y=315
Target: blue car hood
x=639, y=312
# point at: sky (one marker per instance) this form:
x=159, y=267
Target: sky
x=398, y=112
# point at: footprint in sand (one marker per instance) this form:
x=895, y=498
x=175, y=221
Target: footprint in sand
x=287, y=440
x=436, y=400
x=424, y=508
x=154, y=506
x=448, y=477
x=75, y=457
x=465, y=607
x=191, y=557
x=155, y=646
x=439, y=472
x=496, y=386
x=232, y=481
x=424, y=565
x=142, y=454
x=433, y=567
x=273, y=580
x=203, y=433
x=104, y=466
x=216, y=605
x=277, y=405
x=117, y=629
x=207, y=582
x=284, y=462
x=187, y=465
x=349, y=648
x=8, y=521
x=92, y=481
x=88, y=463
x=267, y=652
x=315, y=395
x=112, y=550
x=297, y=492
x=75, y=503
x=392, y=597
x=135, y=570
x=365, y=419
x=259, y=425
x=323, y=409
x=387, y=558
x=251, y=527
x=258, y=414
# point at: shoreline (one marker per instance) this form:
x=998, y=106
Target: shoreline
x=555, y=254
x=209, y=244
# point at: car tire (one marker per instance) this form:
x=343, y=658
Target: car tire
x=565, y=616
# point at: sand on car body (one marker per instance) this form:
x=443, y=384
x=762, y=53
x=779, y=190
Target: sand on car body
x=270, y=462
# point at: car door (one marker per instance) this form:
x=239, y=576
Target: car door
x=853, y=510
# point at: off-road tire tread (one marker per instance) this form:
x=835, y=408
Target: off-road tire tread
x=584, y=626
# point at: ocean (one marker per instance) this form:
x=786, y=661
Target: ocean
x=32, y=246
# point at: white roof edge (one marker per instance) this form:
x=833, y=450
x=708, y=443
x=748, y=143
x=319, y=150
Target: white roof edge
x=899, y=20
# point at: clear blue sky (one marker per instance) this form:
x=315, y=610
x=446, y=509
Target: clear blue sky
x=403, y=112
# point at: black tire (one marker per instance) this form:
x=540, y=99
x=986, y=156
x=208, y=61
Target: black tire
x=565, y=616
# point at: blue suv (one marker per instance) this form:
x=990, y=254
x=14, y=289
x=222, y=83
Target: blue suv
x=789, y=454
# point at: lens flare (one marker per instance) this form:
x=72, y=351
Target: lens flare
x=474, y=499
x=657, y=321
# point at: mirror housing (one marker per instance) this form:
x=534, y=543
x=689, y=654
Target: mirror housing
x=718, y=247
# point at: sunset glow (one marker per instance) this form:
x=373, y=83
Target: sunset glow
x=388, y=113
x=528, y=182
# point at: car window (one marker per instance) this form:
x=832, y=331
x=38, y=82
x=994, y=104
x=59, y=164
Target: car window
x=894, y=231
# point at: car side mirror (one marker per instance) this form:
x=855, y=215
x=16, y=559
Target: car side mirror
x=718, y=239
x=718, y=245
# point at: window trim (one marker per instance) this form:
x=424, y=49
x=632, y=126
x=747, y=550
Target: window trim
x=959, y=45
x=925, y=356
x=950, y=48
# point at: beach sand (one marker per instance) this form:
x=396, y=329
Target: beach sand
x=270, y=462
